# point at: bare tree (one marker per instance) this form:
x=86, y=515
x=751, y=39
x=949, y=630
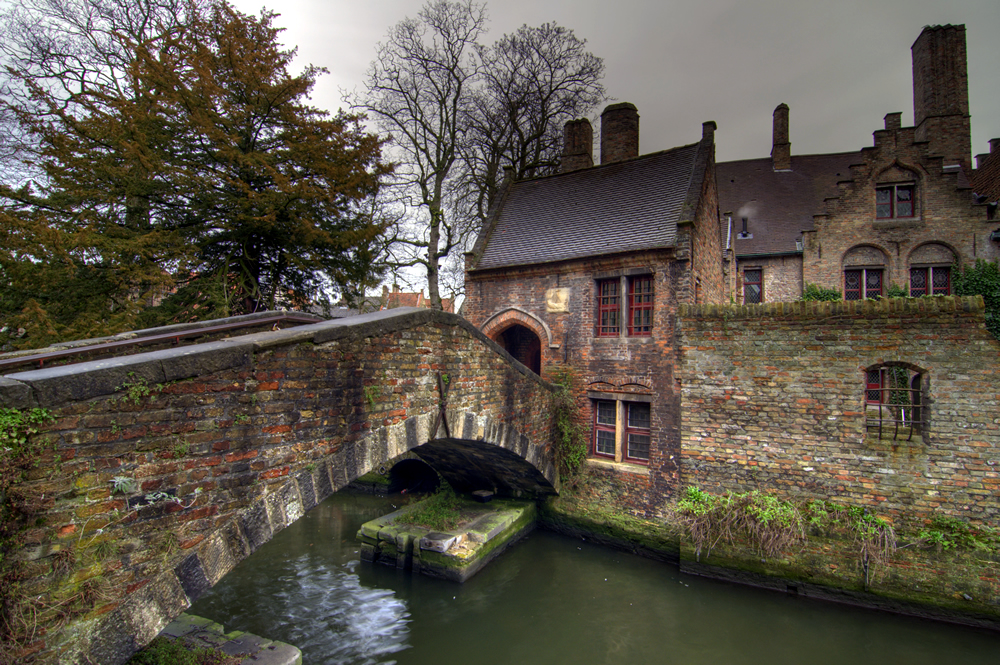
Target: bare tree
x=459, y=113
x=534, y=80
x=419, y=91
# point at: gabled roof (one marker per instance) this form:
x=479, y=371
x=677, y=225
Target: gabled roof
x=778, y=205
x=626, y=206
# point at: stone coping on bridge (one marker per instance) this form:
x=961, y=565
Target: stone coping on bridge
x=99, y=378
x=177, y=328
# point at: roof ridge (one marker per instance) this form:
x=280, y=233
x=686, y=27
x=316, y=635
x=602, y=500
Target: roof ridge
x=597, y=167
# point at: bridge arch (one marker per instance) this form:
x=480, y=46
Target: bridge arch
x=264, y=427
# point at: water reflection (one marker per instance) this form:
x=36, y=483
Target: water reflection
x=548, y=600
x=303, y=588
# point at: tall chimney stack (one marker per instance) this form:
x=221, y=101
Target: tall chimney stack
x=578, y=146
x=941, y=93
x=619, y=133
x=781, y=148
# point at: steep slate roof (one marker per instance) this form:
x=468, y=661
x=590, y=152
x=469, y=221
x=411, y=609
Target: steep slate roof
x=778, y=205
x=986, y=179
x=625, y=206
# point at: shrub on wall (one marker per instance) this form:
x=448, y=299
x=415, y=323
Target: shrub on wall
x=815, y=292
x=982, y=279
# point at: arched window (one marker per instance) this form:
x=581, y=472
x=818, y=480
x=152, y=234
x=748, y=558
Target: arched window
x=864, y=273
x=930, y=270
x=894, y=401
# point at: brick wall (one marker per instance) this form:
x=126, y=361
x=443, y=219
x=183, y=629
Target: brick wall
x=247, y=434
x=617, y=366
x=782, y=277
x=773, y=399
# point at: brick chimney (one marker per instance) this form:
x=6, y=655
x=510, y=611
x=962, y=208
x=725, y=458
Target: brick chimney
x=578, y=146
x=941, y=93
x=619, y=133
x=781, y=148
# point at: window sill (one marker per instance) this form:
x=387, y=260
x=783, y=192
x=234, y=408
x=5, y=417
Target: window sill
x=625, y=467
x=643, y=339
x=898, y=223
x=887, y=441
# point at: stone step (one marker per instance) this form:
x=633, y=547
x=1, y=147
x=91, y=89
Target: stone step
x=199, y=632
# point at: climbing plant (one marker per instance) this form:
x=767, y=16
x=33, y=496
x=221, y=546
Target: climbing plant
x=981, y=279
x=19, y=452
x=568, y=435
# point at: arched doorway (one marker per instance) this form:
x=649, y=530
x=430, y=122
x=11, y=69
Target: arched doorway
x=524, y=345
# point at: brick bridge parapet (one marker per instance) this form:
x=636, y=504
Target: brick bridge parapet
x=165, y=469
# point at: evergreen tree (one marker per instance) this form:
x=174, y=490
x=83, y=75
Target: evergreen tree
x=198, y=178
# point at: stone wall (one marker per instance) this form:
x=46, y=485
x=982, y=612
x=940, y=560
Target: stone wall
x=241, y=437
x=773, y=399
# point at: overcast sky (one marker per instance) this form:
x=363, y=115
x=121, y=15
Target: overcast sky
x=840, y=65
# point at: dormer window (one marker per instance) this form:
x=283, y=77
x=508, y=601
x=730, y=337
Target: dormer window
x=894, y=201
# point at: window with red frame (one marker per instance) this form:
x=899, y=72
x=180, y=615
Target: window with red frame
x=894, y=201
x=605, y=418
x=637, y=432
x=930, y=281
x=753, y=286
x=640, y=305
x=862, y=283
x=608, y=307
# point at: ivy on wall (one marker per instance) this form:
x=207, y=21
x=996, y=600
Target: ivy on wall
x=981, y=279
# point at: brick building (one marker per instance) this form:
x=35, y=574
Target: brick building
x=586, y=268
x=898, y=213
x=398, y=298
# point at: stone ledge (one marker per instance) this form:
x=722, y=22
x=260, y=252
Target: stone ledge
x=622, y=467
x=870, y=309
x=198, y=632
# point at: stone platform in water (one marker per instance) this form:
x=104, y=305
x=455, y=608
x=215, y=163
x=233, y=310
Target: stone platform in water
x=456, y=554
x=199, y=633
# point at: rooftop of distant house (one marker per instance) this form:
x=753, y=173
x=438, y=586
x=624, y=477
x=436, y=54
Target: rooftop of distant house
x=398, y=298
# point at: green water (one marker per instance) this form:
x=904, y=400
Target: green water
x=550, y=600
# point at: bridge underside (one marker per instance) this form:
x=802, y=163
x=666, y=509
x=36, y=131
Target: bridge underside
x=472, y=465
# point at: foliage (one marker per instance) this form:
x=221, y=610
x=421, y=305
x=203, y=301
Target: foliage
x=19, y=451
x=875, y=538
x=15, y=428
x=947, y=533
x=441, y=511
x=896, y=291
x=134, y=389
x=164, y=651
x=460, y=112
x=814, y=292
x=569, y=434
x=768, y=524
x=179, y=166
x=124, y=485
x=982, y=279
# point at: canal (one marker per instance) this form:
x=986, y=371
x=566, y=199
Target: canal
x=549, y=599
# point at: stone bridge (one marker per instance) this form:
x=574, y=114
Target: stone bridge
x=163, y=470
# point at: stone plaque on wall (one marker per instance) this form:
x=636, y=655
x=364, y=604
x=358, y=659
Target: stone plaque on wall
x=557, y=300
